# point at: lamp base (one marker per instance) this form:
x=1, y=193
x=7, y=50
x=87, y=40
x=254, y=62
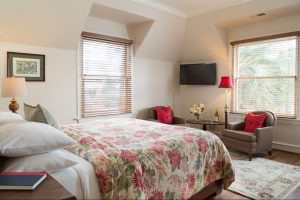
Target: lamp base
x=13, y=106
x=226, y=115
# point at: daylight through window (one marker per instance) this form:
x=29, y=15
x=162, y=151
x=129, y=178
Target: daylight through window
x=105, y=75
x=265, y=75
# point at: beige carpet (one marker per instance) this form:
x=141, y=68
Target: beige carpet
x=263, y=179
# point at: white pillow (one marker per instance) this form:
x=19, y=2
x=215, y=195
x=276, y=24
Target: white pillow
x=28, y=138
x=9, y=117
x=46, y=162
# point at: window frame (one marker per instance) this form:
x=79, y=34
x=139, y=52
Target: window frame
x=234, y=52
x=126, y=78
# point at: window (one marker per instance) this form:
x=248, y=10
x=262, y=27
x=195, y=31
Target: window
x=105, y=75
x=265, y=74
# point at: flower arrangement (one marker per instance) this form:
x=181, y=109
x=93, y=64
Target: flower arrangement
x=197, y=109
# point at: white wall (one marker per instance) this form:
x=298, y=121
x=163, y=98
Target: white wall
x=153, y=85
x=58, y=92
x=203, y=42
x=153, y=80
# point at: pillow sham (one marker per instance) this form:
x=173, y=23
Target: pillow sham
x=28, y=138
x=39, y=114
x=47, y=162
x=9, y=117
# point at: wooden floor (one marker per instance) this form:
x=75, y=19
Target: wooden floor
x=280, y=156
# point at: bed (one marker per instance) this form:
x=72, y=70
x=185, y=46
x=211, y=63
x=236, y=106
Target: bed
x=137, y=159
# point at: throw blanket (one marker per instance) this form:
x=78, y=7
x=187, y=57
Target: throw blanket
x=136, y=159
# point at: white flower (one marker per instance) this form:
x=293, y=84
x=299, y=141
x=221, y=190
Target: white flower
x=197, y=108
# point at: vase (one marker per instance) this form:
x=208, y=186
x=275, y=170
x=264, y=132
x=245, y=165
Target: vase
x=197, y=116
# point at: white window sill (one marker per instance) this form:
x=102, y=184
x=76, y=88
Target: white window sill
x=80, y=120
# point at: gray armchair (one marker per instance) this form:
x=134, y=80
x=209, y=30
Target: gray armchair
x=152, y=116
x=234, y=137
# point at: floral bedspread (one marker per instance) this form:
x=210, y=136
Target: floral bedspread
x=137, y=159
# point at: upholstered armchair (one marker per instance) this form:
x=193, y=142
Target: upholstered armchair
x=234, y=137
x=152, y=116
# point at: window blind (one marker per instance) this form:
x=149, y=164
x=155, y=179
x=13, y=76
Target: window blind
x=106, y=75
x=265, y=75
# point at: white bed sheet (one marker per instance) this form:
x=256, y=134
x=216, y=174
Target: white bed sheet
x=80, y=179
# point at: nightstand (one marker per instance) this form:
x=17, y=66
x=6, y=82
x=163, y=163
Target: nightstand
x=48, y=189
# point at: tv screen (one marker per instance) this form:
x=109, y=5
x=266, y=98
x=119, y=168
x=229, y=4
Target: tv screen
x=198, y=74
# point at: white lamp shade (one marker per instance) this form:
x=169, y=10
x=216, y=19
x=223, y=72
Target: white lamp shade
x=14, y=87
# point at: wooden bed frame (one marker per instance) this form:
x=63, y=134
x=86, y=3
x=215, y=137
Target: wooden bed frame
x=211, y=190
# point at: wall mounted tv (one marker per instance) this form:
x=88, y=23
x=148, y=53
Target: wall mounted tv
x=198, y=74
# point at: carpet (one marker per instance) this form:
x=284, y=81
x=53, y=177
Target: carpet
x=264, y=179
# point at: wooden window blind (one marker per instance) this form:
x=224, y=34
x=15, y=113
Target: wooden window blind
x=106, y=75
x=265, y=75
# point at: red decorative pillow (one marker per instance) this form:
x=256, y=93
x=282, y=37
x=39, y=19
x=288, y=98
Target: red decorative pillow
x=254, y=121
x=164, y=115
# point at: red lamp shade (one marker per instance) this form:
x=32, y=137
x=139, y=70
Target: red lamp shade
x=226, y=82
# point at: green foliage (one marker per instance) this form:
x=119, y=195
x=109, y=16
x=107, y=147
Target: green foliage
x=123, y=183
x=170, y=195
x=129, y=170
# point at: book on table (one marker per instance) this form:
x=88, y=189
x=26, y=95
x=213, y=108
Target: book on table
x=21, y=180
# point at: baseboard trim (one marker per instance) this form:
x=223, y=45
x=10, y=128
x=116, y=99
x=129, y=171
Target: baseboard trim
x=286, y=147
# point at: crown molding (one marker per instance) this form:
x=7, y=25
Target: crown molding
x=162, y=7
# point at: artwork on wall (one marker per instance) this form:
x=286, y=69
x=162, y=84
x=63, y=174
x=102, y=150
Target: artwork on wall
x=29, y=66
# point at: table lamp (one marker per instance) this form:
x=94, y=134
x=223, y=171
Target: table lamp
x=226, y=82
x=14, y=87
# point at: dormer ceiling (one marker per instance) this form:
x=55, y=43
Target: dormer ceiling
x=112, y=14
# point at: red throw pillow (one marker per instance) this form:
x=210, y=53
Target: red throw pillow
x=254, y=121
x=164, y=115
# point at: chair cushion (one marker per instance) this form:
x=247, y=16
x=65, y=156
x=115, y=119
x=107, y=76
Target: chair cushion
x=239, y=135
x=254, y=121
x=164, y=115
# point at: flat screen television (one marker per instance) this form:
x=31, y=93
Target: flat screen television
x=198, y=74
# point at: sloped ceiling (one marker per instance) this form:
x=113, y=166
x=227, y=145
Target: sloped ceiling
x=50, y=23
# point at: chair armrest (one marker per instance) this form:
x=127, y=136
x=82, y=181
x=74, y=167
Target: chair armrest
x=178, y=120
x=236, y=126
x=262, y=132
x=264, y=138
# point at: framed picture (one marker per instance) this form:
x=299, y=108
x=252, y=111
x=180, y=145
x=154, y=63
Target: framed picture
x=29, y=66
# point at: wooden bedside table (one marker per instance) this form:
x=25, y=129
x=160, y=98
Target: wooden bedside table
x=48, y=189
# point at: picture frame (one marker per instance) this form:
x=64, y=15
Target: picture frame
x=28, y=66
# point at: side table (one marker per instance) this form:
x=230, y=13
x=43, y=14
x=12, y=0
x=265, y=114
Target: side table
x=48, y=189
x=204, y=123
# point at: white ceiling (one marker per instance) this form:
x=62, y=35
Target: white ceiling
x=191, y=8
